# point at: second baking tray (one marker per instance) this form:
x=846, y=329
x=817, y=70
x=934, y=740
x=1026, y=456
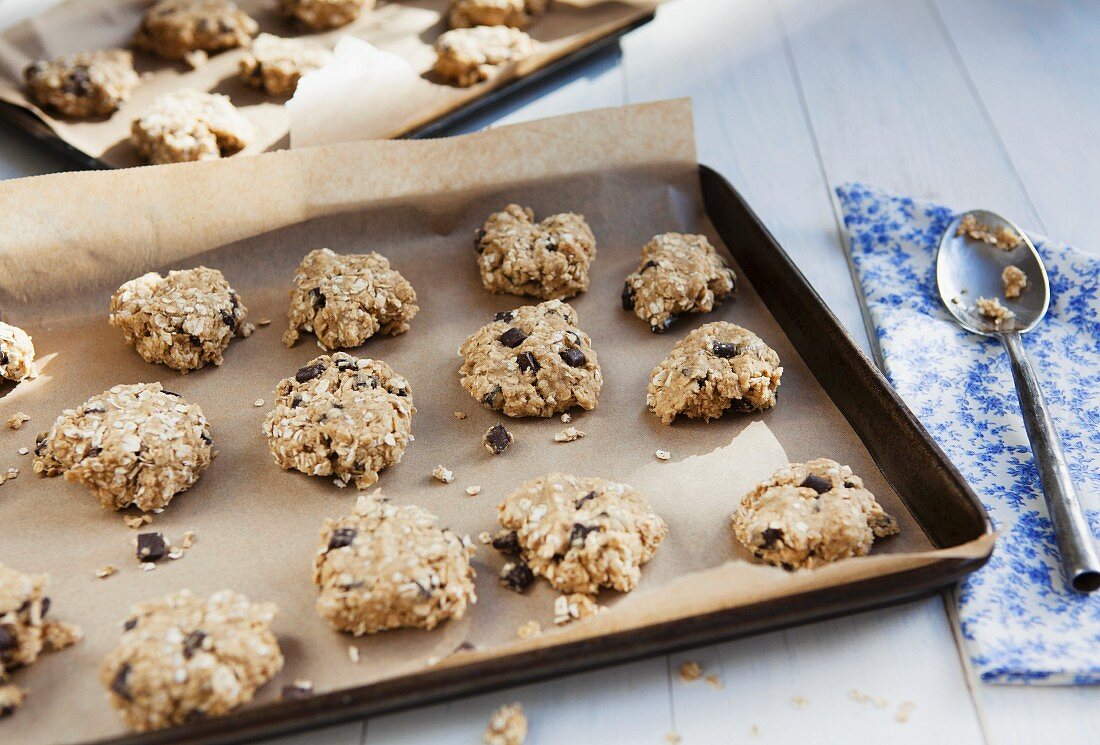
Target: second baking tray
x=633, y=172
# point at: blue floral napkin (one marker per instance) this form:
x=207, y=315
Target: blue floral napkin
x=1021, y=622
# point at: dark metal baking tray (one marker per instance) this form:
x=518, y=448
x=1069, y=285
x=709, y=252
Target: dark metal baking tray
x=930, y=486
x=443, y=125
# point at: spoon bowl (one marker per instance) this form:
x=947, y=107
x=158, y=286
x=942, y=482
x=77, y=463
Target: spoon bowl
x=967, y=268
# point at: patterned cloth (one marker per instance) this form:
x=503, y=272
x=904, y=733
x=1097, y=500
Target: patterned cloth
x=1021, y=622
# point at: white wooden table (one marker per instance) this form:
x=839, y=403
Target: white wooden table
x=988, y=103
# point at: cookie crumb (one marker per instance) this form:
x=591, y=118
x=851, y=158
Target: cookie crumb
x=148, y=566
x=507, y=726
x=574, y=607
x=24, y=450
x=473, y=491
x=862, y=698
x=175, y=552
x=800, y=702
x=991, y=308
x=754, y=731
x=299, y=689
x=265, y=322
x=690, y=672
x=569, y=434
x=714, y=681
x=258, y=403
x=106, y=571
x=485, y=537
x=17, y=420
x=1001, y=237
x=663, y=455
x=12, y=473
x=353, y=653
x=444, y=474
x=673, y=737
x=905, y=710
x=59, y=635
x=187, y=540
x=566, y=418
x=497, y=439
x=196, y=58
x=460, y=415
x=137, y=521
x=529, y=629
x=1014, y=280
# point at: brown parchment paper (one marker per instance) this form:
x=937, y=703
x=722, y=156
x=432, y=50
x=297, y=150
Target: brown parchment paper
x=407, y=29
x=67, y=240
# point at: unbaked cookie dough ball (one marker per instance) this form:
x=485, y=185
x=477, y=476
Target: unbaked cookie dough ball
x=184, y=320
x=24, y=631
x=388, y=567
x=532, y=361
x=548, y=259
x=275, y=65
x=810, y=514
x=677, y=274
x=319, y=15
x=84, y=84
x=341, y=417
x=465, y=56
x=345, y=299
x=515, y=13
x=718, y=367
x=134, y=445
x=16, y=353
x=581, y=534
x=183, y=658
x=175, y=28
x=188, y=125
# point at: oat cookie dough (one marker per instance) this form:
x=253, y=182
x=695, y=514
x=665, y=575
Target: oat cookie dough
x=345, y=299
x=532, y=361
x=1002, y=237
x=84, y=84
x=341, y=417
x=1014, y=280
x=678, y=274
x=507, y=726
x=809, y=514
x=183, y=658
x=175, y=28
x=581, y=534
x=134, y=445
x=388, y=567
x=188, y=125
x=991, y=308
x=465, y=56
x=16, y=353
x=515, y=13
x=319, y=15
x=275, y=65
x=718, y=367
x=547, y=259
x=184, y=320
x=24, y=631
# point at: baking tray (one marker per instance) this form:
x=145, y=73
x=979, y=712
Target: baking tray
x=932, y=488
x=491, y=96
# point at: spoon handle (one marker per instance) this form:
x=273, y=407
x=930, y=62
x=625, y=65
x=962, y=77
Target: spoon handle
x=1080, y=560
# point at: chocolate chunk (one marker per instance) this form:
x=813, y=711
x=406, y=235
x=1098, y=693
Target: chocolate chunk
x=78, y=82
x=771, y=536
x=309, y=372
x=849, y=484
x=130, y=624
x=504, y=315
x=527, y=363
x=648, y=265
x=7, y=639
x=167, y=392
x=296, y=691
x=497, y=439
x=479, y=236
x=491, y=397
x=817, y=483
x=317, y=298
x=580, y=532
x=39, y=442
x=628, y=297
x=573, y=357
x=517, y=577
x=723, y=350
x=229, y=320
x=119, y=684
x=741, y=406
x=151, y=547
x=664, y=325
x=193, y=643
x=6, y=711
x=44, y=608
x=205, y=438
x=585, y=498
x=345, y=364
x=507, y=543
x=341, y=537
x=512, y=338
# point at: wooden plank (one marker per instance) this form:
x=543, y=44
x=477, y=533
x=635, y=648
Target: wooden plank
x=877, y=677
x=624, y=704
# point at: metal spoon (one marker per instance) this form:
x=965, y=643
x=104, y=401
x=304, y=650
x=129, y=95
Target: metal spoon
x=967, y=269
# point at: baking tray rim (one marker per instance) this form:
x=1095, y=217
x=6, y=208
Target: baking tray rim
x=446, y=683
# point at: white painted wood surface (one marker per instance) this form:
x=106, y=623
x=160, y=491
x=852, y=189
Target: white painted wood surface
x=976, y=102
